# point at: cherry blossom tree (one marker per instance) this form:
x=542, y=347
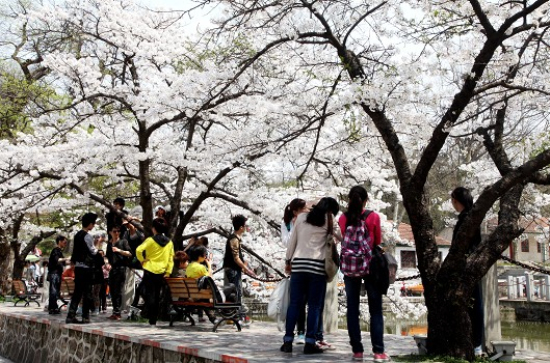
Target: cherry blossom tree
x=424, y=73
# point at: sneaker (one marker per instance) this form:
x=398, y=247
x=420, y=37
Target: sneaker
x=300, y=339
x=286, y=347
x=478, y=351
x=324, y=345
x=358, y=356
x=95, y=312
x=381, y=357
x=246, y=321
x=310, y=348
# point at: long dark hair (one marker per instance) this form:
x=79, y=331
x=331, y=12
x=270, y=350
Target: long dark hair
x=464, y=197
x=356, y=197
x=294, y=206
x=327, y=207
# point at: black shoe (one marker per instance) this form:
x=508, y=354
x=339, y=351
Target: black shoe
x=72, y=321
x=312, y=349
x=286, y=347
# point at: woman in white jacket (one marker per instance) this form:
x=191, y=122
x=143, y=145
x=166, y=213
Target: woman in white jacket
x=305, y=257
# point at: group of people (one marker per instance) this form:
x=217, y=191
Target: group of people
x=305, y=231
x=127, y=248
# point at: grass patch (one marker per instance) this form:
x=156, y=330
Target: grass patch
x=414, y=358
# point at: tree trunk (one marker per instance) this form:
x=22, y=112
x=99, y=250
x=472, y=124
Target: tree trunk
x=4, y=266
x=449, y=326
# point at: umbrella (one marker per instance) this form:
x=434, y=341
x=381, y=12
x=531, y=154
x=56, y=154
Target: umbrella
x=32, y=258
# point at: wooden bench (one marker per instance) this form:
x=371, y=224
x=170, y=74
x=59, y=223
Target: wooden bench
x=66, y=291
x=22, y=293
x=186, y=297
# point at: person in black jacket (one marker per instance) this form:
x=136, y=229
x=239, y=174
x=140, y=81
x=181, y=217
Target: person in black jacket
x=55, y=269
x=119, y=255
x=463, y=202
x=83, y=258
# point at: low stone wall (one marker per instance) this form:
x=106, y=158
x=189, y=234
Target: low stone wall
x=32, y=340
x=538, y=311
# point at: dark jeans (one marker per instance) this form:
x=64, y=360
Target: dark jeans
x=476, y=316
x=315, y=285
x=82, y=291
x=152, y=283
x=234, y=277
x=117, y=278
x=55, y=286
x=103, y=295
x=353, y=291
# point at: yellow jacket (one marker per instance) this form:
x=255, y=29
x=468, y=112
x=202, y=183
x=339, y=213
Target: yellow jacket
x=156, y=254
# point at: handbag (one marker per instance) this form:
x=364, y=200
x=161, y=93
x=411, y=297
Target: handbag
x=332, y=260
x=383, y=268
x=278, y=303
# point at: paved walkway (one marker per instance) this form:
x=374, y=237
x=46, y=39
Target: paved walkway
x=258, y=343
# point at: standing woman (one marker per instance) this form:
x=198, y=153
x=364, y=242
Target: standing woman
x=462, y=202
x=295, y=207
x=156, y=255
x=357, y=200
x=292, y=210
x=305, y=257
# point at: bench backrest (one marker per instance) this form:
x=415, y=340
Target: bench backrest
x=20, y=288
x=67, y=287
x=186, y=289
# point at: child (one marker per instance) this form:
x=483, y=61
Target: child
x=196, y=268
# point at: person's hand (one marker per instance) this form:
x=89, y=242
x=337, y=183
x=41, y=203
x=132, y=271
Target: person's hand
x=250, y=272
x=116, y=249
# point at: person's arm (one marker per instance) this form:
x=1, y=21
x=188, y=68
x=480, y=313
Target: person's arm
x=90, y=243
x=234, y=244
x=141, y=248
x=285, y=234
x=124, y=251
x=336, y=232
x=170, y=266
x=377, y=231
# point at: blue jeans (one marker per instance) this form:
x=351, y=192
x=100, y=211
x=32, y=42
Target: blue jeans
x=353, y=290
x=234, y=277
x=315, y=285
x=55, y=287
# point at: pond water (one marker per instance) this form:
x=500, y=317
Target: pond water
x=527, y=335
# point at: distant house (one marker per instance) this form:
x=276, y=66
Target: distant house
x=405, y=252
x=532, y=245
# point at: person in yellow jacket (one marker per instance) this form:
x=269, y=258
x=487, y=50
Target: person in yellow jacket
x=156, y=255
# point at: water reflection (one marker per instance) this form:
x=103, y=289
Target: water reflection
x=527, y=335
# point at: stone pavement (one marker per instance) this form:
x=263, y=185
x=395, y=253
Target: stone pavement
x=258, y=343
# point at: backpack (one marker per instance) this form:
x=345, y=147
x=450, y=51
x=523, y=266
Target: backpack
x=356, y=252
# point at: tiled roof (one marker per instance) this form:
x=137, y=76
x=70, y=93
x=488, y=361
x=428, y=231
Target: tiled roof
x=531, y=225
x=405, y=232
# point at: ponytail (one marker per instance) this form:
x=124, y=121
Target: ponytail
x=326, y=206
x=356, y=197
x=294, y=206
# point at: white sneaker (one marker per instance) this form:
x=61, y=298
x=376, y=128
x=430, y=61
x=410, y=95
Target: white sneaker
x=300, y=339
x=478, y=351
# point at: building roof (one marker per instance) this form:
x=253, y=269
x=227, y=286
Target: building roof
x=531, y=225
x=405, y=233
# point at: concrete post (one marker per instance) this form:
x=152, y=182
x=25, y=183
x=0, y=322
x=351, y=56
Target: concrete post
x=511, y=288
x=529, y=290
x=546, y=284
x=519, y=288
x=491, y=310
